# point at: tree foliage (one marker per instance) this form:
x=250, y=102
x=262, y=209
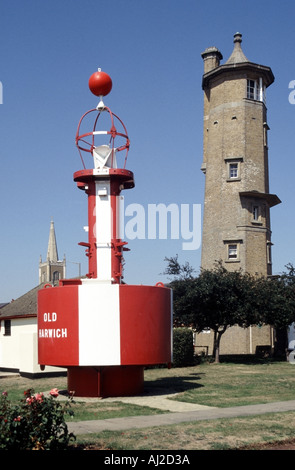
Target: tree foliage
x=183, y=347
x=218, y=299
x=177, y=270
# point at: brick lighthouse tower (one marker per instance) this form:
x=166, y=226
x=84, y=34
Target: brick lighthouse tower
x=236, y=224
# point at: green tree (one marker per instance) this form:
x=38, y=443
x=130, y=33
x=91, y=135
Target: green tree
x=275, y=297
x=275, y=301
x=178, y=271
x=218, y=299
x=183, y=347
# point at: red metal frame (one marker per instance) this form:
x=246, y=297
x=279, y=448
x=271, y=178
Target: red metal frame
x=112, y=132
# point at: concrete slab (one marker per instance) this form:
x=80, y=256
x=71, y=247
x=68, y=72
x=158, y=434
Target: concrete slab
x=161, y=402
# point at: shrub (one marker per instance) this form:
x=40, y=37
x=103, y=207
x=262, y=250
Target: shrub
x=183, y=348
x=37, y=423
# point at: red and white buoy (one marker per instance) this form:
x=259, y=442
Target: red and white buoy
x=104, y=331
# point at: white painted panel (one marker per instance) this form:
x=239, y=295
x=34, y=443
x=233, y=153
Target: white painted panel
x=120, y=207
x=99, y=324
x=103, y=230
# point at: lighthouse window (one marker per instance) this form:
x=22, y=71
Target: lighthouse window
x=233, y=170
x=232, y=251
x=255, y=90
x=255, y=213
x=233, y=167
x=265, y=129
x=268, y=252
x=252, y=91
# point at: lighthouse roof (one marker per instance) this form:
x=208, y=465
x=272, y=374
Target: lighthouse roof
x=237, y=55
x=238, y=62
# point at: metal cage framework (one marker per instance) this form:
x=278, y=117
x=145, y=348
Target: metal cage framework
x=86, y=142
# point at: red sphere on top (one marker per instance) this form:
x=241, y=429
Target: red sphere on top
x=100, y=83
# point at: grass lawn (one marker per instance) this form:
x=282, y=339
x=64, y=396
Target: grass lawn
x=230, y=383
x=222, y=434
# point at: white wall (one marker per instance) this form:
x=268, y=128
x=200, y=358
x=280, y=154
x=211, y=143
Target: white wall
x=20, y=350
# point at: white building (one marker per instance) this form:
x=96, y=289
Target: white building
x=18, y=322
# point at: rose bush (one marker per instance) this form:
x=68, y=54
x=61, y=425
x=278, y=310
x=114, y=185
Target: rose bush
x=37, y=423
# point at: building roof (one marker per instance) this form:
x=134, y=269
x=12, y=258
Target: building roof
x=238, y=63
x=3, y=304
x=272, y=199
x=24, y=306
x=237, y=55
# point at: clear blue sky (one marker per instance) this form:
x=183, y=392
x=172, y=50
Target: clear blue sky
x=151, y=49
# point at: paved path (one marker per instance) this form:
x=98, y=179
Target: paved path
x=180, y=412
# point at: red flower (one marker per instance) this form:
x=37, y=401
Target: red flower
x=54, y=392
x=38, y=397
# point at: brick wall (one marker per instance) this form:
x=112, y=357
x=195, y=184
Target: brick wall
x=236, y=340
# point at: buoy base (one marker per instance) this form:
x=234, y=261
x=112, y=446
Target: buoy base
x=106, y=381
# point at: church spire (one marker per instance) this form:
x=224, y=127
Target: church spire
x=52, y=254
x=52, y=270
